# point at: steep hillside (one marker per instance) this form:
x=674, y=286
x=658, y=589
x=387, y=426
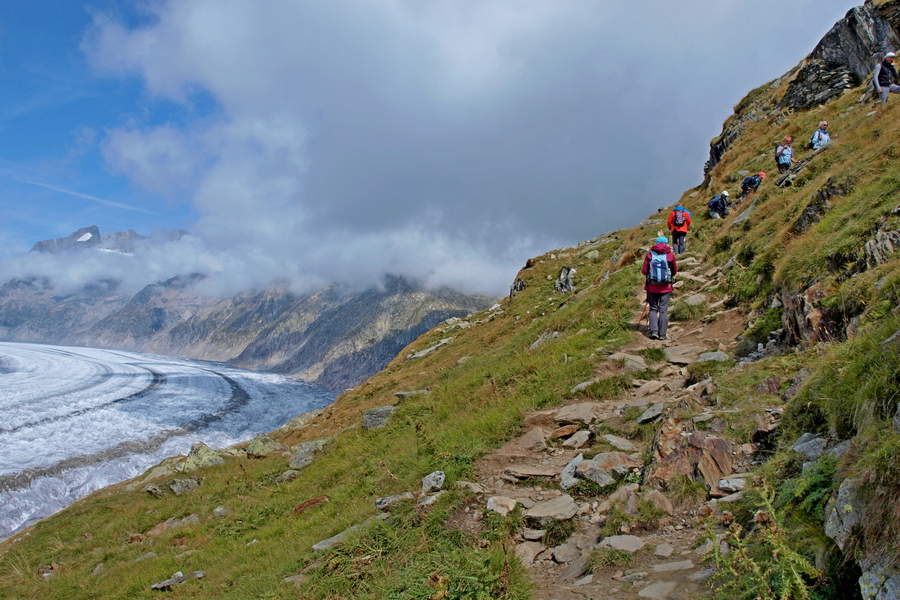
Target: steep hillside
x=761, y=442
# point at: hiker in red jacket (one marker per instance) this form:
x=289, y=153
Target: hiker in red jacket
x=660, y=269
x=679, y=221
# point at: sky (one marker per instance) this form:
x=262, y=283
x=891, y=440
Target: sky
x=316, y=142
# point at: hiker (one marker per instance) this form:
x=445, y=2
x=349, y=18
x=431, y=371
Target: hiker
x=784, y=154
x=820, y=137
x=750, y=184
x=679, y=221
x=718, y=206
x=660, y=269
x=885, y=76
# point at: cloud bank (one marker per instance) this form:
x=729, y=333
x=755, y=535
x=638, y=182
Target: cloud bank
x=447, y=140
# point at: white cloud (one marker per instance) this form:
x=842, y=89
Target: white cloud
x=448, y=140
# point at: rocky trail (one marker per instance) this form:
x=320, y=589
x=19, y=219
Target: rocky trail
x=665, y=557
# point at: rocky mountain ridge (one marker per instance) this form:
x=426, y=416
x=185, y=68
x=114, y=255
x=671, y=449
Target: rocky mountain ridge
x=334, y=338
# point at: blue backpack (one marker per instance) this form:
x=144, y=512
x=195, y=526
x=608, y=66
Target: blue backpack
x=659, y=269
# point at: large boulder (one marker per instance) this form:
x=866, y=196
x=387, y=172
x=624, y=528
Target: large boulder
x=305, y=452
x=376, y=418
x=694, y=454
x=201, y=456
x=262, y=445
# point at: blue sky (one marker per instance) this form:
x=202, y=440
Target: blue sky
x=319, y=141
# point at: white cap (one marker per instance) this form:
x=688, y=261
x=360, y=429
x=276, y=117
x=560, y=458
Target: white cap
x=725, y=192
x=890, y=55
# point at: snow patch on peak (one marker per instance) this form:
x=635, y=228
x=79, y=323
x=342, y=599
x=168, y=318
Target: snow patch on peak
x=85, y=237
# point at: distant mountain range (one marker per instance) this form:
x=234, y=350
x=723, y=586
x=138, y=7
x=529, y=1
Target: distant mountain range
x=332, y=337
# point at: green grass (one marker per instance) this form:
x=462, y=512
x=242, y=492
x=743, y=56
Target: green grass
x=601, y=558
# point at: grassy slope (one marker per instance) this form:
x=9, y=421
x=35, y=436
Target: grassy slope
x=477, y=404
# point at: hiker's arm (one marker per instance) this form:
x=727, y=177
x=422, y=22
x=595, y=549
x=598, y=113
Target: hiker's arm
x=779, y=150
x=875, y=77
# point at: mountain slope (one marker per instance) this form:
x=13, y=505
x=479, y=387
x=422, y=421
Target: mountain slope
x=800, y=285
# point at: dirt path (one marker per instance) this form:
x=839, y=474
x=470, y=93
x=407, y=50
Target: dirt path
x=527, y=470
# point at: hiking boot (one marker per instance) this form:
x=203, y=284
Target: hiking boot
x=662, y=337
x=653, y=335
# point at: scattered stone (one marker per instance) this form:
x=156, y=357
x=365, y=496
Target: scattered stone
x=287, y=476
x=683, y=355
x=680, y=565
x=184, y=486
x=581, y=386
x=429, y=350
x=649, y=388
x=579, y=439
x=304, y=454
x=337, y=539
x=558, y=509
x=585, y=580
x=844, y=513
x=658, y=500
x=620, y=443
x=704, y=548
x=811, y=449
x=716, y=356
x=732, y=485
x=427, y=501
x=173, y=524
x=617, y=464
x=533, y=439
x=591, y=471
x=568, y=477
x=543, y=339
x=501, y=505
x=153, y=490
x=376, y=418
x=201, y=456
x=433, y=482
x=628, y=543
x=652, y=413
x=176, y=579
x=390, y=501
x=533, y=534
x=657, y=591
x=566, y=553
x=527, y=551
x=702, y=575
x=695, y=299
x=144, y=557
x=220, y=512
x=472, y=487
x=262, y=445
x=584, y=412
x=631, y=362
x=664, y=550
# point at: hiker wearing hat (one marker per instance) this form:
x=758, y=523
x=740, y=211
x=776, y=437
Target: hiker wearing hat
x=784, y=154
x=659, y=269
x=820, y=137
x=885, y=77
x=718, y=206
x=750, y=184
x=679, y=221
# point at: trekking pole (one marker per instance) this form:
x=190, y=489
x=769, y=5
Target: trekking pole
x=643, y=312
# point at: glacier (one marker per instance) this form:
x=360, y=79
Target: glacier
x=74, y=420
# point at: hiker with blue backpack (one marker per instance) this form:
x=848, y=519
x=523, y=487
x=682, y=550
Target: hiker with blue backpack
x=679, y=221
x=659, y=269
x=750, y=184
x=718, y=206
x=820, y=138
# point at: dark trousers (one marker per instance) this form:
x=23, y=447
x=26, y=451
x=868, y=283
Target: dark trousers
x=678, y=241
x=659, y=312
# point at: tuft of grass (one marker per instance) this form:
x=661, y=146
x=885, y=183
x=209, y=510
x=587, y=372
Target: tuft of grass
x=653, y=355
x=608, y=388
x=683, y=490
x=682, y=311
x=601, y=558
x=557, y=532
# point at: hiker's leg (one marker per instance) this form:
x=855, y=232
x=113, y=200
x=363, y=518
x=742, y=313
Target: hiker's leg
x=678, y=239
x=883, y=94
x=653, y=301
x=663, y=305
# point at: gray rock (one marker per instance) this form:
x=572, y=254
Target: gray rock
x=287, y=476
x=576, y=569
x=221, y=512
x=429, y=350
x=176, y=579
x=390, y=501
x=695, y=299
x=433, y=482
x=533, y=534
x=591, y=471
x=844, y=513
x=408, y=394
x=472, y=487
x=840, y=450
x=184, y=486
x=680, y=565
x=543, y=339
x=650, y=387
x=144, y=557
x=592, y=255
x=566, y=553
x=337, y=539
x=153, y=489
x=716, y=356
x=732, y=484
x=580, y=387
x=628, y=543
x=579, y=439
x=657, y=591
x=806, y=437
x=296, y=580
x=652, y=413
x=584, y=412
x=376, y=418
x=568, y=478
x=683, y=355
x=620, y=443
x=262, y=445
x=664, y=550
x=427, y=501
x=812, y=449
x=527, y=551
x=560, y=508
x=617, y=464
x=880, y=583
x=501, y=505
x=632, y=362
x=305, y=452
x=201, y=456
x=746, y=214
